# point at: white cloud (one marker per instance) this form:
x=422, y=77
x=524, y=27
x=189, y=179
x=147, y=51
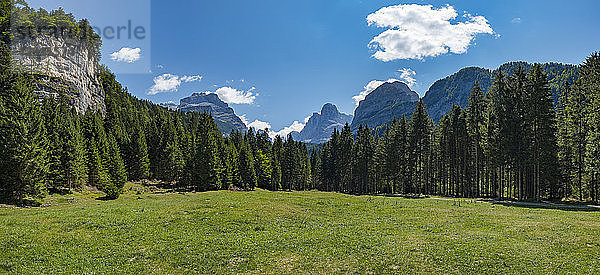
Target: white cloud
x=307, y=119
x=256, y=124
x=165, y=83
x=283, y=133
x=128, y=55
x=233, y=96
x=418, y=31
x=259, y=125
x=262, y=125
x=191, y=78
x=170, y=83
x=408, y=76
x=516, y=20
x=369, y=88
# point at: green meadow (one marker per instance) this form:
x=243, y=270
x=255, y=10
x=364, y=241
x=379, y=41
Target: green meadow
x=297, y=232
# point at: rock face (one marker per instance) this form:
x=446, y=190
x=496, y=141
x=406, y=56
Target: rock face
x=454, y=89
x=61, y=66
x=383, y=104
x=210, y=103
x=320, y=126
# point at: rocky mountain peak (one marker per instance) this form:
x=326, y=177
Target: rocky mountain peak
x=329, y=110
x=320, y=126
x=391, y=99
x=200, y=98
x=224, y=115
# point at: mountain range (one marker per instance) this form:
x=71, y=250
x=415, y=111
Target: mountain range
x=396, y=100
x=388, y=101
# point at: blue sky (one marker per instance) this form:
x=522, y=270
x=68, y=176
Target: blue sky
x=282, y=60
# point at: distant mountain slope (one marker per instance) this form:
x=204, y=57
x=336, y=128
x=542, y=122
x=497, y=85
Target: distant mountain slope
x=396, y=99
x=455, y=89
x=320, y=126
x=383, y=104
x=224, y=115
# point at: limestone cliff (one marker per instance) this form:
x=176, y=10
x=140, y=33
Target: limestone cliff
x=66, y=66
x=388, y=101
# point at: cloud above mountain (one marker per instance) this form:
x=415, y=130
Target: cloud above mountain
x=283, y=133
x=170, y=83
x=256, y=124
x=235, y=96
x=295, y=127
x=408, y=76
x=418, y=31
x=371, y=86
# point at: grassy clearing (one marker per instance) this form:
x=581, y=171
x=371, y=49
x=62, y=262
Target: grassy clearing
x=302, y=232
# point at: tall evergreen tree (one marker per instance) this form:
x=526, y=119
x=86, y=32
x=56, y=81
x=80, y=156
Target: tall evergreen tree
x=475, y=126
x=23, y=146
x=420, y=134
x=246, y=166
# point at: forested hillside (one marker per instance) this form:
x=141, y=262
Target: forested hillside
x=512, y=142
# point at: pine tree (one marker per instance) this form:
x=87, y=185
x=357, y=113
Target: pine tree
x=306, y=177
x=497, y=132
x=23, y=147
x=343, y=159
x=316, y=172
x=576, y=119
x=116, y=170
x=276, y=152
x=362, y=156
x=246, y=166
x=475, y=127
x=232, y=167
x=541, y=120
x=138, y=162
x=589, y=81
x=203, y=170
x=420, y=134
x=565, y=144
x=264, y=170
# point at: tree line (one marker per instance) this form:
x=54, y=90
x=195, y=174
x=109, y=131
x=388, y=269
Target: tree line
x=511, y=142
x=46, y=146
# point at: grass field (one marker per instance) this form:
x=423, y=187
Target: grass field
x=302, y=232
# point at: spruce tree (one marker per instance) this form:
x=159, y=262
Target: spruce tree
x=203, y=170
x=475, y=115
x=541, y=119
x=116, y=170
x=246, y=166
x=23, y=147
x=276, y=154
x=589, y=81
x=264, y=170
x=138, y=162
x=419, y=142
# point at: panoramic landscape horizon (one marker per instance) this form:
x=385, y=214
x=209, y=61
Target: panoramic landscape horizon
x=278, y=137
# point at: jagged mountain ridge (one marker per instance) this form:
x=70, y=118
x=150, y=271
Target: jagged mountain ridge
x=380, y=108
x=321, y=125
x=224, y=115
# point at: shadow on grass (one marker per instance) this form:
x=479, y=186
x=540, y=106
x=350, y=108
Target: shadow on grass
x=549, y=205
x=105, y=198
